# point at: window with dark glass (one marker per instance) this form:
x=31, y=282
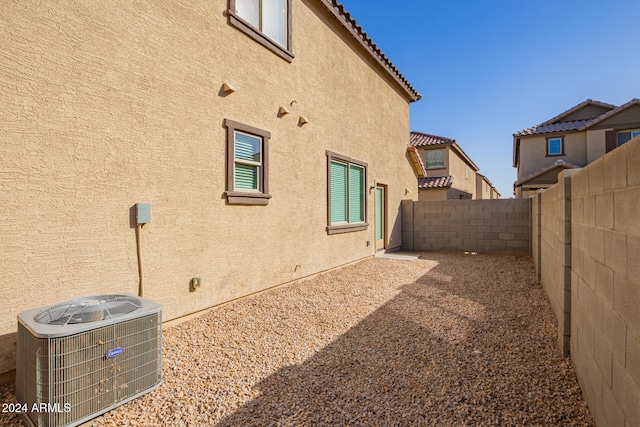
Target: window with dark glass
x=627, y=135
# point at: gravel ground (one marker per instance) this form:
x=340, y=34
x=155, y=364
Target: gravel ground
x=449, y=339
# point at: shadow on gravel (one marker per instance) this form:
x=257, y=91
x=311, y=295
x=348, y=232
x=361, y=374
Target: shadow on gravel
x=448, y=350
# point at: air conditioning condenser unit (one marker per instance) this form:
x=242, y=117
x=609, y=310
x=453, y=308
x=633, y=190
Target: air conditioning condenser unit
x=83, y=357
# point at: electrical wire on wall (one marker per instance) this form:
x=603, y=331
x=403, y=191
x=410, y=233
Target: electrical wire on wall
x=143, y=216
x=139, y=248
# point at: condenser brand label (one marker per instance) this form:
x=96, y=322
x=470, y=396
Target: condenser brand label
x=115, y=352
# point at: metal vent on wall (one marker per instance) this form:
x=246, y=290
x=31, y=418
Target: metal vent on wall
x=84, y=357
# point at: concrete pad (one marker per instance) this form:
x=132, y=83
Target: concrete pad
x=400, y=256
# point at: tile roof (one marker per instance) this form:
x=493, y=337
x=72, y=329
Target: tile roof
x=558, y=164
x=576, y=108
x=554, y=127
x=435, y=182
x=419, y=139
x=634, y=101
x=338, y=10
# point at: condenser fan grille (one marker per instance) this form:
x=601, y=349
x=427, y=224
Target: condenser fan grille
x=89, y=309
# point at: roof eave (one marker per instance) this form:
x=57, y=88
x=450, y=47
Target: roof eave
x=350, y=24
x=608, y=114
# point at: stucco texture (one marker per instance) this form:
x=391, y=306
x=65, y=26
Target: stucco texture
x=105, y=104
x=533, y=152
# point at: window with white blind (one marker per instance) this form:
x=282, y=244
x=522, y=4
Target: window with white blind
x=347, y=198
x=247, y=164
x=435, y=159
x=266, y=21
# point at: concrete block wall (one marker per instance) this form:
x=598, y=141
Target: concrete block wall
x=483, y=226
x=553, y=246
x=587, y=234
x=536, y=230
x=605, y=278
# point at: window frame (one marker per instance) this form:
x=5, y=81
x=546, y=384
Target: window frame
x=256, y=34
x=245, y=196
x=630, y=132
x=347, y=227
x=548, y=142
x=426, y=159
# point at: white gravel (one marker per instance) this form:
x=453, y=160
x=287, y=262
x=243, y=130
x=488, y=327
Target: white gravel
x=449, y=339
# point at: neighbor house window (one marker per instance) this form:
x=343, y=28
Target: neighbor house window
x=627, y=135
x=555, y=146
x=266, y=21
x=435, y=159
x=466, y=171
x=347, y=196
x=247, y=164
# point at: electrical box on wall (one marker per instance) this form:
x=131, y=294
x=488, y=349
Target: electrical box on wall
x=143, y=213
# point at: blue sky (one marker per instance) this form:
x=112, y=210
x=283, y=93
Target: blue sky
x=489, y=68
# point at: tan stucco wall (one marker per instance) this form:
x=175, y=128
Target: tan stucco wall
x=483, y=189
x=596, y=144
x=533, y=152
x=436, y=194
x=107, y=104
x=456, y=168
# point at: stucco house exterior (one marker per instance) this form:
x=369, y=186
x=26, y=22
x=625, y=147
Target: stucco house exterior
x=485, y=189
x=450, y=173
x=571, y=140
x=270, y=144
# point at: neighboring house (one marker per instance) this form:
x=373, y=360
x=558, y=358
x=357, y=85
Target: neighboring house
x=570, y=140
x=485, y=189
x=450, y=173
x=269, y=141
x=495, y=194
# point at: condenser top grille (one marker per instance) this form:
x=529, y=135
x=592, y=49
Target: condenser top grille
x=88, y=309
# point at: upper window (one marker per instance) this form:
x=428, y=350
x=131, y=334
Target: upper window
x=435, y=159
x=247, y=164
x=627, y=135
x=266, y=21
x=466, y=171
x=555, y=146
x=347, y=196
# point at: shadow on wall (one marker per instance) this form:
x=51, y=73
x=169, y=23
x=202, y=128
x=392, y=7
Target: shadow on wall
x=8, y=357
x=446, y=349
